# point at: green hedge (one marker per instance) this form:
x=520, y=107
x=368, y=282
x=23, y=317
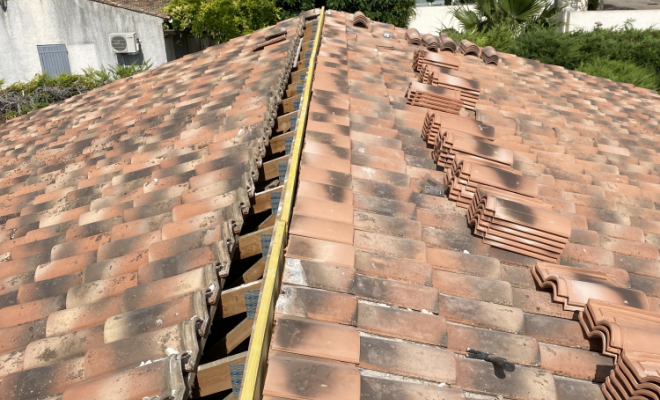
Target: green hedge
x=395, y=12
x=22, y=97
x=625, y=54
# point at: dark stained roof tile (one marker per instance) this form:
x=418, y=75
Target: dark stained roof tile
x=156, y=292
x=395, y=322
x=324, y=379
x=556, y=331
x=471, y=287
x=30, y=312
x=517, y=382
x=317, y=339
x=190, y=307
x=55, y=349
x=43, y=381
x=129, y=353
x=575, y=363
x=317, y=304
x=408, y=359
x=160, y=378
x=101, y=240
x=319, y=275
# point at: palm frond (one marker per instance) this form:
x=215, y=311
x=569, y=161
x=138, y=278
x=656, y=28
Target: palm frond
x=548, y=14
x=522, y=10
x=468, y=19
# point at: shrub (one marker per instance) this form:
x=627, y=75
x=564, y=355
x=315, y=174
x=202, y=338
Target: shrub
x=395, y=12
x=22, y=97
x=514, y=15
x=221, y=20
x=621, y=71
x=500, y=37
x=593, y=50
x=622, y=54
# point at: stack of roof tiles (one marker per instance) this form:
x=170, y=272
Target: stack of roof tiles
x=437, y=122
x=503, y=206
x=489, y=55
x=120, y=210
x=467, y=175
x=615, y=315
x=575, y=287
x=471, y=160
x=621, y=326
x=347, y=305
x=447, y=43
x=426, y=70
x=630, y=335
x=439, y=98
x=468, y=89
x=430, y=42
x=434, y=97
x=413, y=37
x=469, y=48
x=424, y=57
x=512, y=222
x=450, y=145
x=635, y=376
x=361, y=20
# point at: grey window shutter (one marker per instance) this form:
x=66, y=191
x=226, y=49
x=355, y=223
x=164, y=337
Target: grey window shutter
x=54, y=59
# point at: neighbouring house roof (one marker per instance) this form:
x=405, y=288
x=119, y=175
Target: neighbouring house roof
x=151, y=7
x=386, y=284
x=119, y=215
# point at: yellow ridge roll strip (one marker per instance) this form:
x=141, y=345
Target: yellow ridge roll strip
x=258, y=351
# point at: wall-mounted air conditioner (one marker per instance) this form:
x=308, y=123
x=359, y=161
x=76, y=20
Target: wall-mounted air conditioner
x=125, y=43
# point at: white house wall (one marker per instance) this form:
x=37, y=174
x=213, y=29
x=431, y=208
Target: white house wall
x=587, y=20
x=433, y=18
x=82, y=25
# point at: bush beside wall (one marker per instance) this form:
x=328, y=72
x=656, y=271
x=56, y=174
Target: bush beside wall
x=22, y=97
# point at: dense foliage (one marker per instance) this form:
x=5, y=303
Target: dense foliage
x=624, y=55
x=514, y=15
x=528, y=28
x=221, y=20
x=395, y=12
x=22, y=97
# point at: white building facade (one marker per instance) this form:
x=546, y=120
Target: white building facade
x=55, y=35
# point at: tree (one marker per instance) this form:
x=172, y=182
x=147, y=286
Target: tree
x=395, y=12
x=221, y=20
x=487, y=15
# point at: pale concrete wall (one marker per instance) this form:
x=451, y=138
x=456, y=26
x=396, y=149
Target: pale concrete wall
x=82, y=25
x=431, y=19
x=641, y=19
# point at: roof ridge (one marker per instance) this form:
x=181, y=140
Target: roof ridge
x=127, y=4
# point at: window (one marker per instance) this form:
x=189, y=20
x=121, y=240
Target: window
x=54, y=59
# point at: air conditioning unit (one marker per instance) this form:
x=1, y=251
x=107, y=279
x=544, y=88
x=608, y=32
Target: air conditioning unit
x=125, y=43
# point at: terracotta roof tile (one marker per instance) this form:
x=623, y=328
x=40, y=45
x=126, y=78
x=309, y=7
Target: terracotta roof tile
x=573, y=139
x=119, y=220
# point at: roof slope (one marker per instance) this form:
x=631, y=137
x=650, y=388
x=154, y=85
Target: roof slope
x=118, y=212
x=385, y=286
x=152, y=7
